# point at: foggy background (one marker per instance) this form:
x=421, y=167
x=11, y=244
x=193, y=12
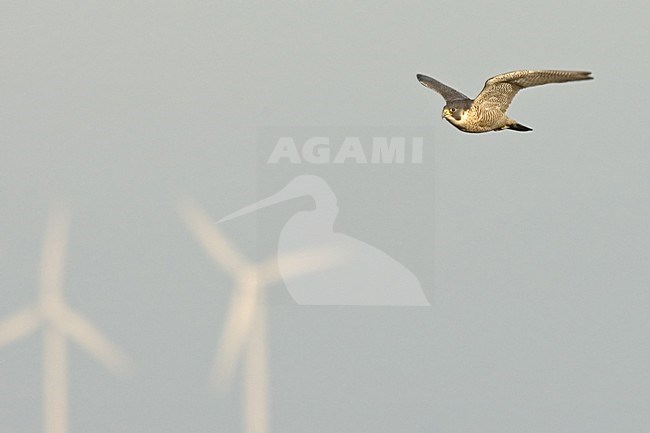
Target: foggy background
x=532, y=248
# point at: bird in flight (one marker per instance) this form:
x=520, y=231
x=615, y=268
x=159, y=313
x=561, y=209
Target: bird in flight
x=487, y=112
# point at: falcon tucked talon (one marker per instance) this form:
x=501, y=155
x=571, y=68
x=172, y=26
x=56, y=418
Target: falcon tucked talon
x=488, y=111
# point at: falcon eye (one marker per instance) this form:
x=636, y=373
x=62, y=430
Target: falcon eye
x=453, y=109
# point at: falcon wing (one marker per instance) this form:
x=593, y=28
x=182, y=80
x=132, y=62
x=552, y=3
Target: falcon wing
x=445, y=91
x=499, y=91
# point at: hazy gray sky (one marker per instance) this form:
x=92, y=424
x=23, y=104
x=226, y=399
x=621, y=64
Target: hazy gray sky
x=532, y=249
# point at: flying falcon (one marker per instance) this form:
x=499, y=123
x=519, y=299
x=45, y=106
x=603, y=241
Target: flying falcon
x=487, y=112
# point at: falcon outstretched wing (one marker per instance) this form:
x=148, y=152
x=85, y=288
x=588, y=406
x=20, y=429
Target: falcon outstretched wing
x=445, y=91
x=499, y=91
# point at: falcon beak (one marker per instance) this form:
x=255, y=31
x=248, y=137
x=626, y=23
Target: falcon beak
x=446, y=113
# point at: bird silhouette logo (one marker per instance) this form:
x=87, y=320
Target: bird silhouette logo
x=365, y=275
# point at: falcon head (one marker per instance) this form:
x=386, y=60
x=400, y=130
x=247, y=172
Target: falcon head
x=454, y=110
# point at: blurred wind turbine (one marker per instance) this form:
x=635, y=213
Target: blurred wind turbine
x=244, y=334
x=59, y=322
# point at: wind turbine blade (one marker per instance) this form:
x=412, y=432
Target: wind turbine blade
x=54, y=246
x=91, y=340
x=215, y=244
x=243, y=309
x=256, y=377
x=18, y=325
x=235, y=332
x=55, y=390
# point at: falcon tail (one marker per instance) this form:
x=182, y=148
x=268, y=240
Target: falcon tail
x=519, y=127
